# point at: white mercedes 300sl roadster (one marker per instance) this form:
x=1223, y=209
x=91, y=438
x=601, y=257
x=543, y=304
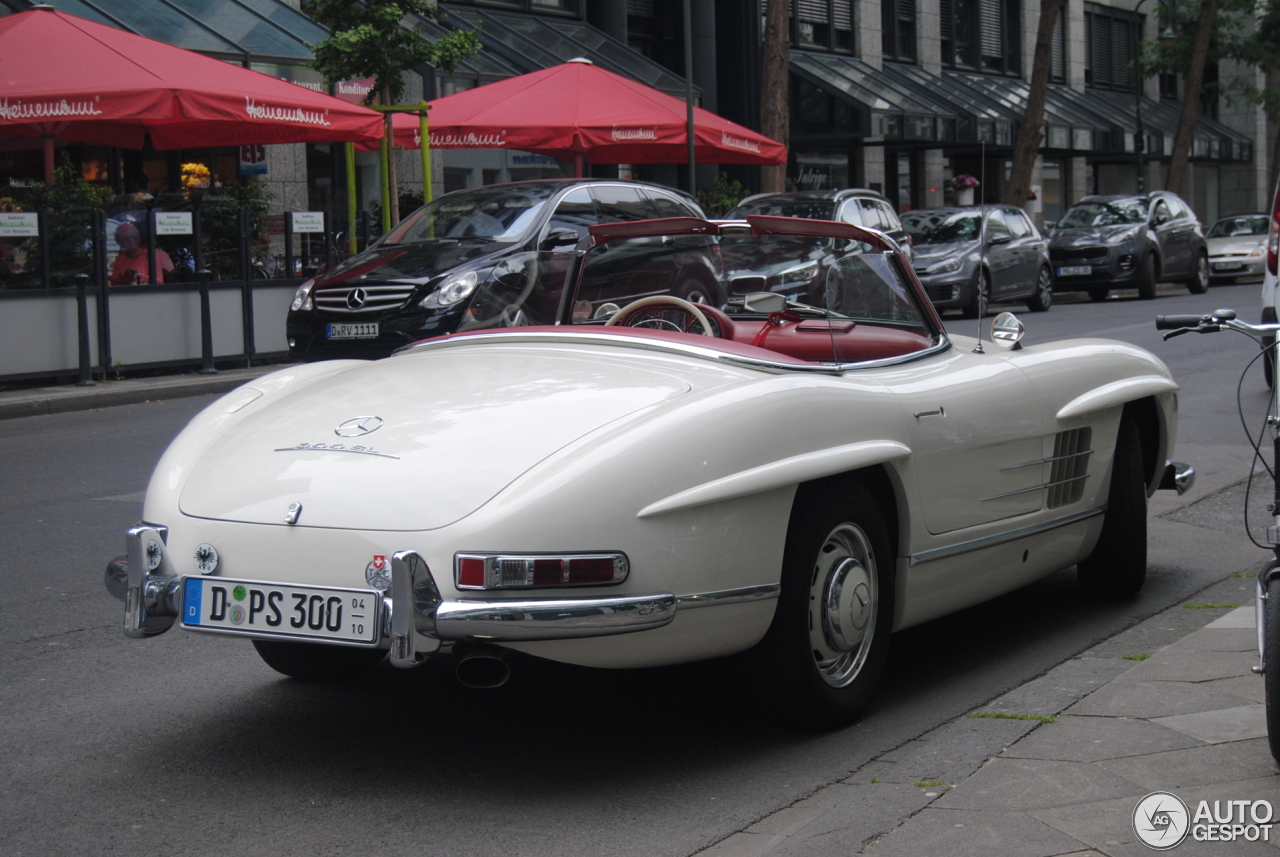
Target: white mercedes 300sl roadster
x=632, y=479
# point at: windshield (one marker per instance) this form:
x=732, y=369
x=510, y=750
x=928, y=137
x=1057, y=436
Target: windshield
x=938, y=228
x=1232, y=226
x=1114, y=213
x=488, y=213
x=815, y=299
x=809, y=209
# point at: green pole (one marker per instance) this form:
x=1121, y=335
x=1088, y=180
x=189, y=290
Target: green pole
x=384, y=149
x=351, y=198
x=688, y=93
x=424, y=132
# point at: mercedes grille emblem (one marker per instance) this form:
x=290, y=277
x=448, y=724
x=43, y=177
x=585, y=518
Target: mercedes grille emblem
x=358, y=426
x=356, y=299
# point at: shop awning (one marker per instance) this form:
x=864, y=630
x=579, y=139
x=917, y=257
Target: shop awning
x=1070, y=125
x=887, y=108
x=978, y=120
x=1213, y=140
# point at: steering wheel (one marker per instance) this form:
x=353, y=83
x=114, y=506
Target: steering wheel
x=621, y=315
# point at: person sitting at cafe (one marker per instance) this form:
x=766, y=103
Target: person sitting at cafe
x=130, y=267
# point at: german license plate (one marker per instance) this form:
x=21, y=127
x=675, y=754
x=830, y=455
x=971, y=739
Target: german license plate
x=366, y=330
x=1227, y=266
x=1075, y=271
x=254, y=608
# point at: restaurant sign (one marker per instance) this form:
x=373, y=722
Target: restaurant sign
x=19, y=225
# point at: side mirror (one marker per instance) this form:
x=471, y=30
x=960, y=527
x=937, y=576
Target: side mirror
x=764, y=302
x=1007, y=331
x=559, y=238
x=999, y=239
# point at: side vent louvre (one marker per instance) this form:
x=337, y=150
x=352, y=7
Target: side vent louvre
x=1070, y=467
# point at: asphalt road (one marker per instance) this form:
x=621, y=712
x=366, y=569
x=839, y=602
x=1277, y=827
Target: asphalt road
x=190, y=745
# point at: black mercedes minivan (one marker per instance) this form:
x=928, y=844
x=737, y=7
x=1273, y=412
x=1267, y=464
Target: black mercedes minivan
x=492, y=256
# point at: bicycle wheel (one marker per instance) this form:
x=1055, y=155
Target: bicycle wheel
x=1271, y=665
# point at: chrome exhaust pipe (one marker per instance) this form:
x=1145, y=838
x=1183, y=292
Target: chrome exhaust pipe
x=484, y=670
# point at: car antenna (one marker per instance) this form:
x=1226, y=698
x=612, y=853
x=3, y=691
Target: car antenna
x=982, y=247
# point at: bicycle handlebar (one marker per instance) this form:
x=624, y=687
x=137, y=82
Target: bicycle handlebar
x=1173, y=322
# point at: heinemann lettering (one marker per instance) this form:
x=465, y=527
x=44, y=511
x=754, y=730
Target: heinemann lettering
x=284, y=114
x=739, y=143
x=634, y=133
x=45, y=109
x=468, y=139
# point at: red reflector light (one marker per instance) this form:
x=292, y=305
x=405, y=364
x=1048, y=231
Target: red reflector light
x=548, y=571
x=471, y=572
x=591, y=570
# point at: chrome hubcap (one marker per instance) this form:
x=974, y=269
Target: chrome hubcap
x=843, y=602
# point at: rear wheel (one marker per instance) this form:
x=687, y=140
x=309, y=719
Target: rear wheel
x=1199, y=282
x=1271, y=663
x=316, y=661
x=1117, y=567
x=1098, y=295
x=823, y=655
x=1147, y=278
x=1042, y=298
x=1268, y=372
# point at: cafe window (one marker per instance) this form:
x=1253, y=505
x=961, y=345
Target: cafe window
x=980, y=35
x=1111, y=41
x=898, y=29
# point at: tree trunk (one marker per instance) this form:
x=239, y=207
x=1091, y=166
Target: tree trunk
x=1031, y=130
x=1191, y=98
x=775, y=113
x=392, y=183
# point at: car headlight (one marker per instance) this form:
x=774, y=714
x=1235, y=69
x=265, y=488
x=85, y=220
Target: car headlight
x=946, y=266
x=453, y=289
x=302, y=298
x=798, y=276
x=1121, y=237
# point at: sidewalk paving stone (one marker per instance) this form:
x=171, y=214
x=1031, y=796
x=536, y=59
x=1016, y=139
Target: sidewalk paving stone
x=1191, y=665
x=957, y=833
x=1059, y=687
x=1090, y=739
x=862, y=813
x=1025, y=784
x=1250, y=687
x=1216, y=727
x=1151, y=699
x=1218, y=639
x=1196, y=766
x=958, y=750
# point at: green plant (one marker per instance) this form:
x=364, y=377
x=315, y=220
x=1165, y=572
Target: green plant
x=67, y=204
x=118, y=369
x=1140, y=656
x=219, y=218
x=1210, y=606
x=999, y=715
x=928, y=784
x=719, y=198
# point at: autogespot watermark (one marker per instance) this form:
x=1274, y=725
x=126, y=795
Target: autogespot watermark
x=1161, y=820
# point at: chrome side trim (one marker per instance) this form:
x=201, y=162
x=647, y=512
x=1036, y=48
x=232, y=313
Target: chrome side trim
x=1002, y=538
x=677, y=348
x=1046, y=460
x=553, y=619
x=1116, y=393
x=1038, y=487
x=743, y=594
x=415, y=598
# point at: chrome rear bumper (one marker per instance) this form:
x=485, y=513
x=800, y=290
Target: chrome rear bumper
x=416, y=629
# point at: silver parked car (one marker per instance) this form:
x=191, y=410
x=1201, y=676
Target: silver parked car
x=956, y=255
x=1237, y=246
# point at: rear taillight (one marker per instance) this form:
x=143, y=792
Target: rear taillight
x=522, y=571
x=1273, y=236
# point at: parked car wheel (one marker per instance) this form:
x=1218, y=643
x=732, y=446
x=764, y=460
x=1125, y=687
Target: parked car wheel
x=1042, y=298
x=1117, y=567
x=981, y=296
x=826, y=648
x=316, y=662
x=696, y=292
x=1099, y=295
x=1147, y=278
x=1199, y=282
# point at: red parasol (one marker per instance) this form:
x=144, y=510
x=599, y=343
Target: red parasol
x=580, y=110
x=65, y=78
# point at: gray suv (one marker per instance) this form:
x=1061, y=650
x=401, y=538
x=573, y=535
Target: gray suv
x=1134, y=242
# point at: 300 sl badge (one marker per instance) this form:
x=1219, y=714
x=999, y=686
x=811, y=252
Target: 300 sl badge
x=336, y=447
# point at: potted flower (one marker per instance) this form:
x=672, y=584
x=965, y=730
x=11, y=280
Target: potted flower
x=964, y=185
